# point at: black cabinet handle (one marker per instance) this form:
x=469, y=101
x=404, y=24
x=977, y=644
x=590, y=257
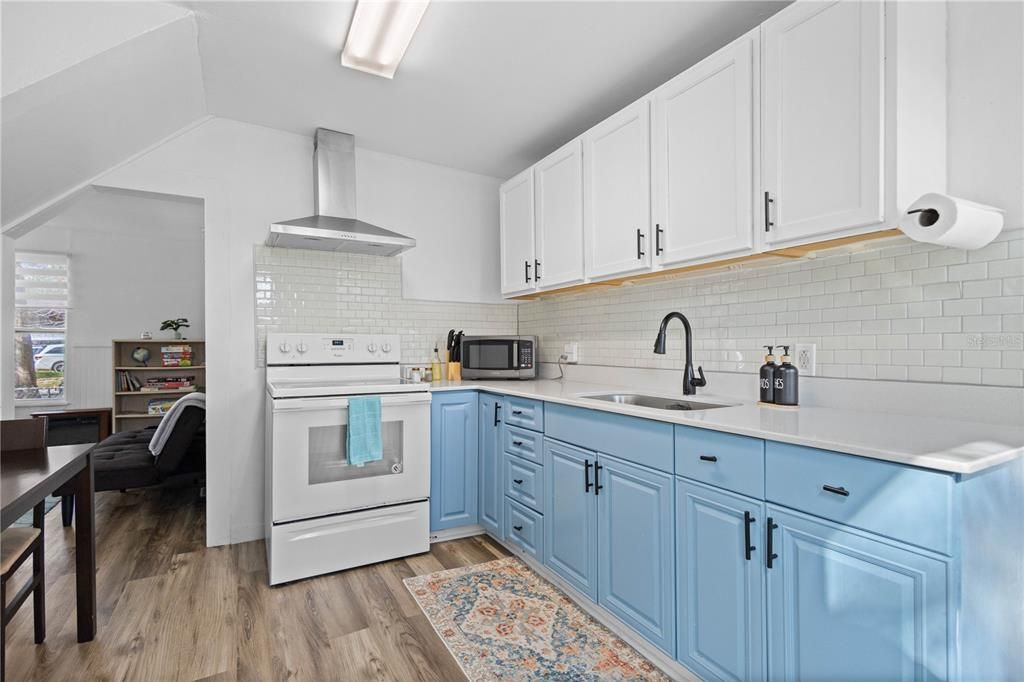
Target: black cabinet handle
x=770, y=554
x=517, y=481
x=597, y=478
x=639, y=244
x=748, y=521
x=526, y=265
x=768, y=201
x=497, y=406
x=837, y=490
x=517, y=527
x=517, y=442
x=587, y=485
x=536, y=270
x=708, y=458
x=657, y=240
x=517, y=412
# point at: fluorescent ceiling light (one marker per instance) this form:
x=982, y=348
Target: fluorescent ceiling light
x=380, y=34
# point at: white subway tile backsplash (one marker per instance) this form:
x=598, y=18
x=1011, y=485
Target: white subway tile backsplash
x=900, y=312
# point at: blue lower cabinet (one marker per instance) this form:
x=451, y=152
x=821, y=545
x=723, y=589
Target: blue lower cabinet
x=636, y=548
x=847, y=604
x=491, y=497
x=570, y=531
x=454, y=440
x=720, y=589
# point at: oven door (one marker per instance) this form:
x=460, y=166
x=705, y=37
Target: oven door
x=311, y=474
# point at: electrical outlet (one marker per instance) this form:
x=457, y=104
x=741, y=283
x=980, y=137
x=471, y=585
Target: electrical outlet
x=806, y=358
x=571, y=351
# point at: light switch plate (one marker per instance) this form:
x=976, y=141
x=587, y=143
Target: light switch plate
x=806, y=358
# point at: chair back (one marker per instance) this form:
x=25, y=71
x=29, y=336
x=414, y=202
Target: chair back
x=23, y=434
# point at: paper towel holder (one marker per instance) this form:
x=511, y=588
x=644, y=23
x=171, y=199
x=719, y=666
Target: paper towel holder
x=929, y=216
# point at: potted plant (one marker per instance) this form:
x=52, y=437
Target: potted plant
x=176, y=325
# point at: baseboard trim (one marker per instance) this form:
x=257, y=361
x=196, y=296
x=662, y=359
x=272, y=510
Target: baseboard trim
x=455, y=533
x=668, y=665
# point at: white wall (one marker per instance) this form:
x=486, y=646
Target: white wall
x=135, y=261
x=7, y=349
x=250, y=176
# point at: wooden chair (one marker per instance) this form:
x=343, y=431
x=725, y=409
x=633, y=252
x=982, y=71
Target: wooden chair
x=18, y=544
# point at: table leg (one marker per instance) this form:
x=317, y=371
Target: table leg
x=85, y=552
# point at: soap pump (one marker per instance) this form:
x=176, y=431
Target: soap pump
x=768, y=377
x=786, y=381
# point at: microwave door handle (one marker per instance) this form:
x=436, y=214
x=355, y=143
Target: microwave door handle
x=515, y=355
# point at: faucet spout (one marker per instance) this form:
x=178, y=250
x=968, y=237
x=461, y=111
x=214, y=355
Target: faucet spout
x=690, y=381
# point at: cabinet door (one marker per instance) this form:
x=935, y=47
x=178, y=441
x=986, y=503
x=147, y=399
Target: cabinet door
x=453, y=460
x=636, y=548
x=617, y=193
x=490, y=464
x=720, y=583
x=822, y=111
x=570, y=529
x=558, y=179
x=702, y=149
x=517, y=231
x=844, y=604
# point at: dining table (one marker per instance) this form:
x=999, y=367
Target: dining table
x=26, y=478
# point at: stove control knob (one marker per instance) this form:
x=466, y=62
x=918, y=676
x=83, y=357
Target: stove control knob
x=386, y=347
x=302, y=348
x=371, y=347
x=284, y=347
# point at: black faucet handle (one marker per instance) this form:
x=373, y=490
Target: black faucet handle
x=701, y=382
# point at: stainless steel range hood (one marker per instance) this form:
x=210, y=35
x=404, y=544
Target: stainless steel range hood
x=335, y=226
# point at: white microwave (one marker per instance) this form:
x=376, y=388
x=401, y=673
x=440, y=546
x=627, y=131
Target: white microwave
x=499, y=357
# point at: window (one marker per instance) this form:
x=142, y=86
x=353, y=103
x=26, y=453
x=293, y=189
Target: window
x=41, y=302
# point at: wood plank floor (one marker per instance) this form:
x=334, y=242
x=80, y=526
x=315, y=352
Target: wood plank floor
x=172, y=609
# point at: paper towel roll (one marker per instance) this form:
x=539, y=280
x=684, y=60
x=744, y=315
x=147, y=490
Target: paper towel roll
x=948, y=221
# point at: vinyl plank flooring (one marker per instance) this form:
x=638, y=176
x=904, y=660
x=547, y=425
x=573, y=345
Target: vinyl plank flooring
x=171, y=609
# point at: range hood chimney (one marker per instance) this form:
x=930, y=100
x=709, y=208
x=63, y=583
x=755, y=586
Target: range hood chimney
x=334, y=226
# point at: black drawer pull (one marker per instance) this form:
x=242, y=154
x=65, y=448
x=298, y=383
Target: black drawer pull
x=708, y=458
x=517, y=411
x=517, y=442
x=517, y=527
x=517, y=481
x=748, y=521
x=840, y=490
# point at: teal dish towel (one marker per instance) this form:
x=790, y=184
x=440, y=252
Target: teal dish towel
x=364, y=441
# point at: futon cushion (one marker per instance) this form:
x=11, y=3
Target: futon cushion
x=124, y=461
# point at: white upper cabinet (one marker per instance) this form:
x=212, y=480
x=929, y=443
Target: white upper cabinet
x=617, y=193
x=702, y=148
x=517, y=230
x=558, y=181
x=822, y=107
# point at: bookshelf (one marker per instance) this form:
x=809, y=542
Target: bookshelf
x=136, y=385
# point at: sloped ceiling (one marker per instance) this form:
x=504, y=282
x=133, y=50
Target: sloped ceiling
x=488, y=87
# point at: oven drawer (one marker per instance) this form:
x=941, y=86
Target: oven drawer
x=524, y=412
x=524, y=443
x=524, y=528
x=524, y=481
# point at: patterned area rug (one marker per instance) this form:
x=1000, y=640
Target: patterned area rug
x=502, y=621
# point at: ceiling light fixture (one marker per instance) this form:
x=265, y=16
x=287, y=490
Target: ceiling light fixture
x=380, y=34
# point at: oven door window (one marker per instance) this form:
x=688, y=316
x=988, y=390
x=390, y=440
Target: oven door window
x=489, y=355
x=328, y=454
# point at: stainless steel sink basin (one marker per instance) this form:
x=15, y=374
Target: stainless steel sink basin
x=656, y=402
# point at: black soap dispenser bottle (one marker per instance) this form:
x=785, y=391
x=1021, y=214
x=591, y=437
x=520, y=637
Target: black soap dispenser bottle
x=768, y=377
x=786, y=381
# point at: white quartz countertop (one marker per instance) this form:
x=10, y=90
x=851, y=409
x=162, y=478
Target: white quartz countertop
x=961, y=447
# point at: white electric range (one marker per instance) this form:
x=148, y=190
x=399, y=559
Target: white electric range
x=324, y=514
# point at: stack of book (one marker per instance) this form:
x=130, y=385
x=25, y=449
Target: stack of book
x=178, y=355
x=179, y=383
x=127, y=382
x=159, y=405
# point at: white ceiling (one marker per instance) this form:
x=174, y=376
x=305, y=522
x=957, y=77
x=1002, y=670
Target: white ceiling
x=488, y=87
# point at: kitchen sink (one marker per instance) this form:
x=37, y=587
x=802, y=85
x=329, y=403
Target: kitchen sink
x=653, y=401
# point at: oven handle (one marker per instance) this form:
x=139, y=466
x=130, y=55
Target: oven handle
x=386, y=401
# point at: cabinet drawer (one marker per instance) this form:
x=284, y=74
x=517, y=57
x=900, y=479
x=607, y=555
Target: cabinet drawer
x=525, y=528
x=721, y=459
x=524, y=412
x=524, y=443
x=900, y=502
x=643, y=441
x=524, y=481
